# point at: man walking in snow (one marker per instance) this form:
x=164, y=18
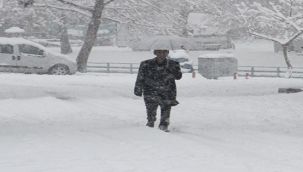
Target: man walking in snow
x=156, y=81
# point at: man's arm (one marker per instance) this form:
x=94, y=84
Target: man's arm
x=177, y=72
x=140, y=80
x=174, y=71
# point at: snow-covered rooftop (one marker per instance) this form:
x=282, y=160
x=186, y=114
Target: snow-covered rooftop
x=217, y=55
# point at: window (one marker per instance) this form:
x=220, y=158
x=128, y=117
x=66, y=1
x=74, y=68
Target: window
x=29, y=49
x=6, y=49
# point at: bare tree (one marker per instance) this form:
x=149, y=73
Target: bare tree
x=58, y=17
x=61, y=20
x=95, y=20
x=64, y=38
x=278, y=21
x=91, y=34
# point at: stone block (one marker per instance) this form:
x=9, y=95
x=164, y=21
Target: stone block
x=213, y=66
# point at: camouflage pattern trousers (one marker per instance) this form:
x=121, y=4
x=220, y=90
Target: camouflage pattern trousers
x=151, y=104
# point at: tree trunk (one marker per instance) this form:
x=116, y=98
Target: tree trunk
x=64, y=38
x=285, y=54
x=289, y=66
x=185, y=15
x=90, y=36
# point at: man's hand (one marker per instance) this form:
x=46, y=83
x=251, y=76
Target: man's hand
x=138, y=92
x=175, y=70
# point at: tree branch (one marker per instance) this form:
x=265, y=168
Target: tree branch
x=62, y=8
x=294, y=36
x=265, y=37
x=108, y=2
x=284, y=18
x=277, y=40
x=75, y=5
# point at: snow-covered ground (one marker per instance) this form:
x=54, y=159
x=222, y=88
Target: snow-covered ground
x=93, y=122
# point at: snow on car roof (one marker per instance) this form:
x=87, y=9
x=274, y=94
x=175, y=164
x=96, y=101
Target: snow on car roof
x=14, y=30
x=16, y=41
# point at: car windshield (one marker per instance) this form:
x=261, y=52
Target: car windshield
x=180, y=60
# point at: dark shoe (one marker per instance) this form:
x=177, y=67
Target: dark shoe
x=164, y=128
x=174, y=103
x=171, y=102
x=150, y=124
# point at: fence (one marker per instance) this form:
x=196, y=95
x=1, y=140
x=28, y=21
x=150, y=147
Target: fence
x=253, y=71
x=264, y=71
x=113, y=67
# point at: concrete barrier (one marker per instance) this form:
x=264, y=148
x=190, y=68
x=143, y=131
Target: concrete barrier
x=213, y=66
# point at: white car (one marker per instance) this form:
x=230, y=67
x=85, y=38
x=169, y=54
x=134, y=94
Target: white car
x=182, y=57
x=24, y=56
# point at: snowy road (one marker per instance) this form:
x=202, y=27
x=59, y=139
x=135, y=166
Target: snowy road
x=92, y=122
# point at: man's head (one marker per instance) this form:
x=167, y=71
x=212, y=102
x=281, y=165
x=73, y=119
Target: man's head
x=161, y=55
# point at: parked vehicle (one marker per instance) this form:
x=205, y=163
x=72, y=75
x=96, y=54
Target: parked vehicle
x=182, y=57
x=24, y=56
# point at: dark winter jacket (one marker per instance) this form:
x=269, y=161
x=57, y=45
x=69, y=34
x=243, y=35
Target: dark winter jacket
x=158, y=80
